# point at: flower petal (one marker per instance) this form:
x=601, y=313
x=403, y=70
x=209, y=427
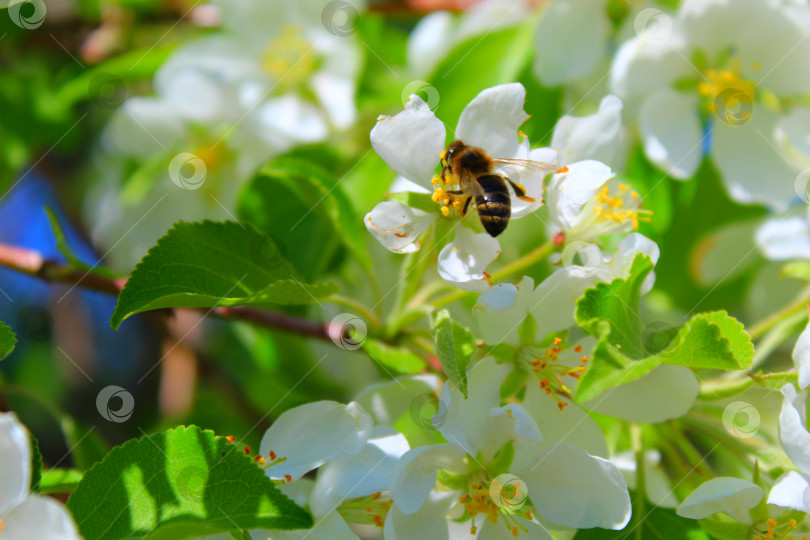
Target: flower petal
x=290, y=118
x=792, y=427
x=732, y=496
x=415, y=474
x=511, y=423
x=39, y=517
x=500, y=310
x=784, y=238
x=410, y=142
x=801, y=357
x=568, y=192
x=313, y=434
x=791, y=490
x=15, y=462
x=496, y=531
x=387, y=401
x=428, y=522
x=367, y=472
x=672, y=134
x=575, y=489
x=747, y=153
x=595, y=136
x=554, y=300
x=463, y=261
x=667, y=392
x=577, y=27
x=492, y=119
x=646, y=63
x=572, y=425
x=327, y=527
x=397, y=227
x=429, y=41
x=659, y=488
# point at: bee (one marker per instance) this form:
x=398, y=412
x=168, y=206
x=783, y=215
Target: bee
x=472, y=169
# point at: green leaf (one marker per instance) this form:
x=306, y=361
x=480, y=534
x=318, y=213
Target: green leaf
x=658, y=523
x=213, y=264
x=64, y=249
x=7, y=340
x=183, y=483
x=797, y=270
x=775, y=381
x=397, y=359
x=420, y=201
x=480, y=62
x=626, y=352
x=455, y=346
x=36, y=463
x=59, y=480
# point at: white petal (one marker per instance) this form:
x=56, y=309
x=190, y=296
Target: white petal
x=531, y=178
x=554, y=300
x=410, y=142
x=397, y=227
x=746, y=153
x=15, y=462
x=429, y=41
x=659, y=488
x=571, y=425
x=645, y=64
x=290, y=117
x=577, y=27
x=299, y=491
x=39, y=517
x=568, y=192
x=667, y=392
x=792, y=490
x=630, y=246
x=801, y=357
x=792, y=137
x=672, y=134
x=328, y=527
x=461, y=425
x=336, y=95
x=500, y=310
x=590, y=137
x=792, y=429
x=732, y=496
x=401, y=183
x=497, y=531
x=574, y=489
x=143, y=127
x=313, y=434
x=367, y=472
x=387, y=401
x=463, y=261
x=514, y=424
x=784, y=238
x=415, y=474
x=492, y=119
x=429, y=522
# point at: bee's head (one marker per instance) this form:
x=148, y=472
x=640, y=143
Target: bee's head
x=452, y=151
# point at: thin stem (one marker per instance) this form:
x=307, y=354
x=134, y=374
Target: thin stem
x=766, y=324
x=370, y=316
x=510, y=269
x=639, y=508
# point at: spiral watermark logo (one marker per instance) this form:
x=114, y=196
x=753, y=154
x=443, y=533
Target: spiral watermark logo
x=584, y=255
x=428, y=411
x=741, y=419
x=734, y=106
x=29, y=14
x=802, y=186
x=426, y=91
x=187, y=171
x=338, y=17
x=106, y=406
x=653, y=25
x=508, y=492
x=107, y=90
x=348, y=331
x=267, y=251
x=34, y=323
x=191, y=483
x=657, y=336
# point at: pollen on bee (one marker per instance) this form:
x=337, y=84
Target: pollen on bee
x=445, y=211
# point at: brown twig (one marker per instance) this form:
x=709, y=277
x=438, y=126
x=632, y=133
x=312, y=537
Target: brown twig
x=32, y=263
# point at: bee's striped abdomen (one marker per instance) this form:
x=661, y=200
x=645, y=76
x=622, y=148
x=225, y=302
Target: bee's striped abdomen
x=494, y=205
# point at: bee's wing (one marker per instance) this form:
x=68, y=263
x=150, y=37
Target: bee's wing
x=529, y=164
x=469, y=184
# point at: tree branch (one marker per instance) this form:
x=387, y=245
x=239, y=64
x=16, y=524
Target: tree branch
x=32, y=263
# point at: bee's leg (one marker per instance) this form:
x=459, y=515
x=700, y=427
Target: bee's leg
x=520, y=191
x=466, y=206
x=454, y=192
x=444, y=172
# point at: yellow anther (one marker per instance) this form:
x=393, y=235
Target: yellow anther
x=445, y=211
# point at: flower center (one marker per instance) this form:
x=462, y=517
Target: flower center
x=274, y=460
x=550, y=371
x=728, y=93
x=620, y=206
x=444, y=195
x=495, y=498
x=366, y=510
x=289, y=58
